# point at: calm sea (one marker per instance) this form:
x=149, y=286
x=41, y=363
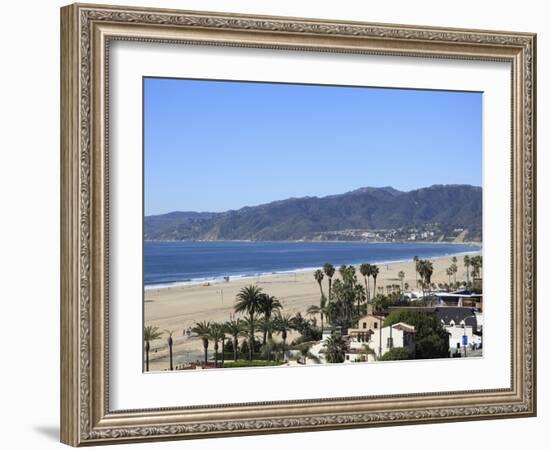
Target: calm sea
x=167, y=263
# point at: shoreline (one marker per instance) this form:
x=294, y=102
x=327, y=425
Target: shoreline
x=220, y=279
x=178, y=308
x=328, y=241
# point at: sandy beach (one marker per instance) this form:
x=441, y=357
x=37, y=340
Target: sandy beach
x=177, y=308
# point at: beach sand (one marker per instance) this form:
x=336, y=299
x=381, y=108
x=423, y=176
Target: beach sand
x=177, y=308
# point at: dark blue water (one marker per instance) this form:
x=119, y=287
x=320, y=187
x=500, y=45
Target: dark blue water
x=176, y=262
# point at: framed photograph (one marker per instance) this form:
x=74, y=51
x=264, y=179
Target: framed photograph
x=275, y=224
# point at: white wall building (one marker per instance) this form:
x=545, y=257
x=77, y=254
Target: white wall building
x=378, y=341
x=458, y=334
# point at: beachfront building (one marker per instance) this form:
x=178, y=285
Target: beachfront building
x=370, y=340
x=367, y=323
x=464, y=325
x=461, y=336
x=460, y=298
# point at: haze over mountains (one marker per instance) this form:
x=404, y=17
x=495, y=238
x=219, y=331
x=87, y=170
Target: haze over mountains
x=439, y=212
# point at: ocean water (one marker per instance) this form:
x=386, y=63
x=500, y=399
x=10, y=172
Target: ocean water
x=172, y=263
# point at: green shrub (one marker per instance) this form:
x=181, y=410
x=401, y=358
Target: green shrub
x=396, y=354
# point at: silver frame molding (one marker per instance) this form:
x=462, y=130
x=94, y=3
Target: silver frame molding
x=86, y=31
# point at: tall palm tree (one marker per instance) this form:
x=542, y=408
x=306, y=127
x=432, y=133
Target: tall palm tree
x=374, y=273
x=170, y=345
x=224, y=337
x=268, y=305
x=449, y=273
x=476, y=262
x=217, y=335
x=454, y=269
x=249, y=301
x=329, y=272
x=365, y=271
x=318, y=274
x=249, y=328
x=284, y=325
x=150, y=334
x=425, y=270
x=401, y=276
x=267, y=326
x=467, y=263
x=235, y=329
x=203, y=330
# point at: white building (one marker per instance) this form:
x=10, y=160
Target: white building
x=369, y=345
x=460, y=334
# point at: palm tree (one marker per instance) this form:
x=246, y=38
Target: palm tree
x=449, y=273
x=268, y=305
x=224, y=337
x=425, y=269
x=454, y=269
x=217, y=335
x=150, y=333
x=335, y=349
x=249, y=301
x=321, y=310
x=268, y=349
x=267, y=326
x=235, y=329
x=365, y=271
x=284, y=324
x=374, y=273
x=401, y=276
x=476, y=262
x=318, y=274
x=249, y=328
x=342, y=270
x=467, y=263
x=170, y=345
x=203, y=330
x=329, y=272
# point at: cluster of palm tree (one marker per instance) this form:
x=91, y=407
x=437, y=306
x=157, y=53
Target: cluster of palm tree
x=424, y=268
x=476, y=263
x=368, y=271
x=263, y=314
x=217, y=333
x=452, y=269
x=346, y=296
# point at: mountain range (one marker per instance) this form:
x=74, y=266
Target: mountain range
x=444, y=209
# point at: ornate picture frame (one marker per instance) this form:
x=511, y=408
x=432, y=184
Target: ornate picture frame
x=86, y=34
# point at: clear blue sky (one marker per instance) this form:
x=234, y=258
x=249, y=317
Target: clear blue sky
x=217, y=145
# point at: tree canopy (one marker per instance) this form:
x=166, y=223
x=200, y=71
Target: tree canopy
x=431, y=339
